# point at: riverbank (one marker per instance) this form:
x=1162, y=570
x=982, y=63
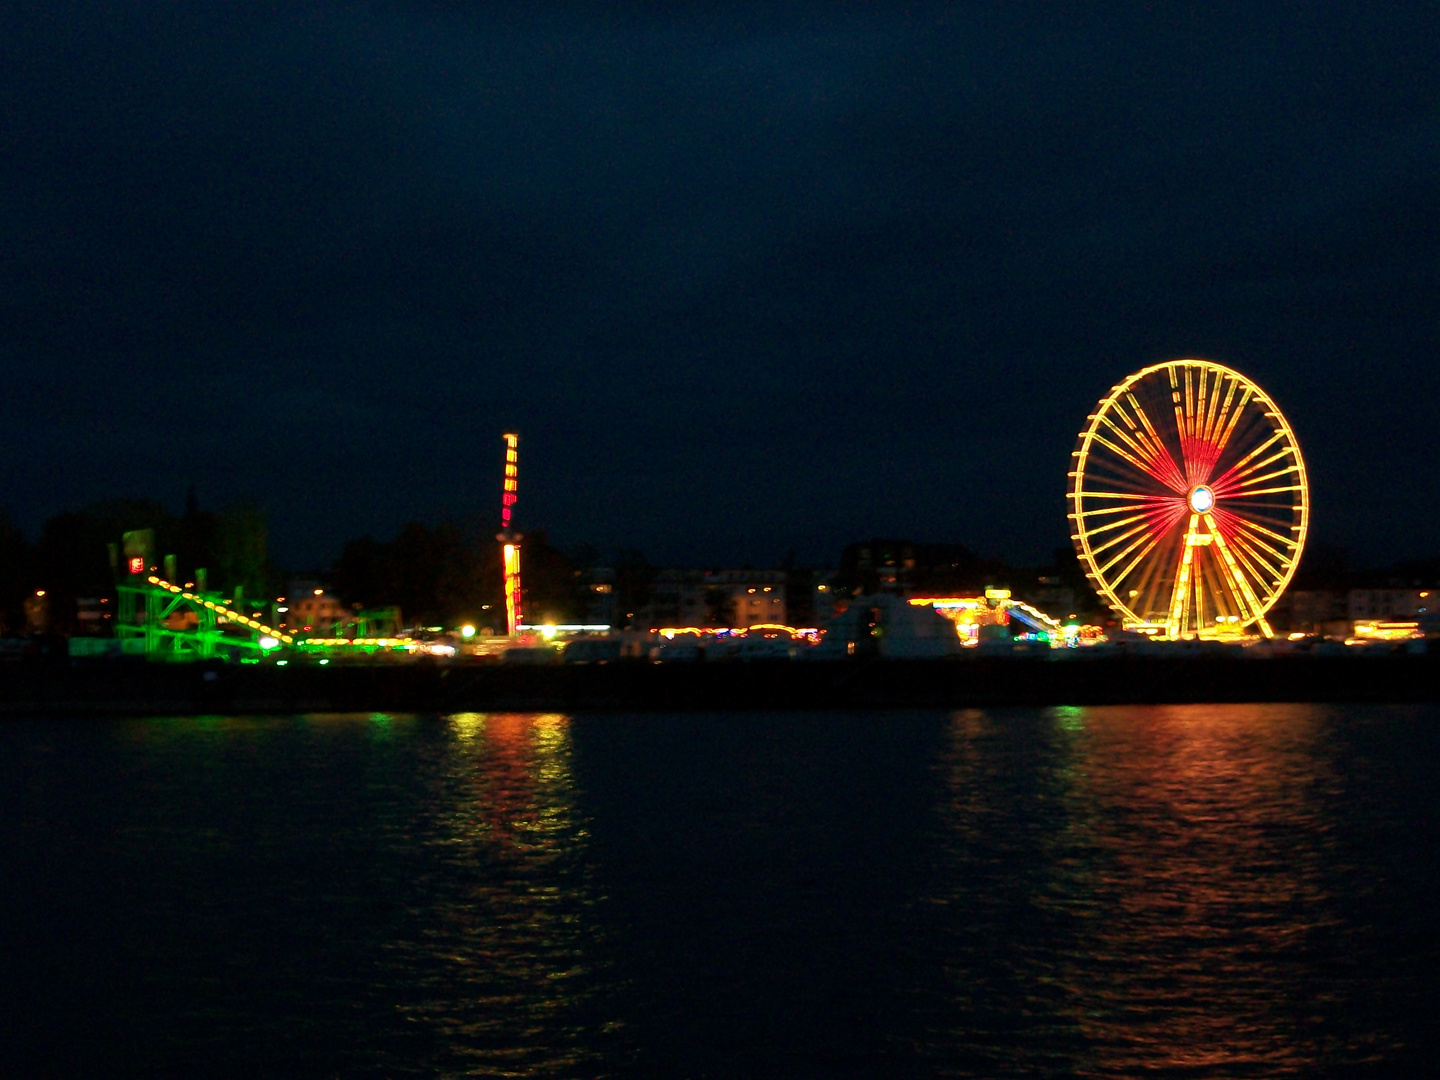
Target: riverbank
x=121, y=688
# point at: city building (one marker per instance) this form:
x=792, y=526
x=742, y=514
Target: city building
x=597, y=587
x=715, y=598
x=1388, y=604
x=1314, y=611
x=1336, y=612
x=315, y=611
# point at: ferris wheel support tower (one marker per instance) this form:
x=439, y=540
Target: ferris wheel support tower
x=510, y=539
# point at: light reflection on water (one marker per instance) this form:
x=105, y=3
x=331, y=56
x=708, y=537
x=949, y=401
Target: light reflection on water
x=360, y=895
x=1187, y=891
x=500, y=966
x=1172, y=890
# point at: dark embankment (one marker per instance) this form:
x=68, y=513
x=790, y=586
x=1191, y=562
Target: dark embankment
x=121, y=688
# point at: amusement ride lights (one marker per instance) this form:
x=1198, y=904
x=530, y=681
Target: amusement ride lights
x=1189, y=502
x=222, y=611
x=508, y=537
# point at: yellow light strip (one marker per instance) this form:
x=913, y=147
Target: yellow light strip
x=1133, y=497
x=1224, y=439
x=1121, y=523
x=233, y=616
x=1240, y=581
x=1180, y=597
x=1118, y=539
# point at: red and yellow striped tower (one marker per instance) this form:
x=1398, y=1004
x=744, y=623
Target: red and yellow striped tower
x=508, y=537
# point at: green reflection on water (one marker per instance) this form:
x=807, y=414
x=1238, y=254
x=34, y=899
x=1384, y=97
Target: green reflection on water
x=1069, y=717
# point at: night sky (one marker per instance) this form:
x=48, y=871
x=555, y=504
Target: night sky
x=744, y=283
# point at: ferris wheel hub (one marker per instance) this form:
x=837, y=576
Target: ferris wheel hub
x=1201, y=500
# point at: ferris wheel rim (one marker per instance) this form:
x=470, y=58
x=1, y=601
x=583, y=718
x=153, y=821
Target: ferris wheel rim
x=1272, y=534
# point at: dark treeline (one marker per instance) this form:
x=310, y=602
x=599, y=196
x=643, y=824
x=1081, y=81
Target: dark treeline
x=873, y=566
x=436, y=575
x=72, y=557
x=444, y=575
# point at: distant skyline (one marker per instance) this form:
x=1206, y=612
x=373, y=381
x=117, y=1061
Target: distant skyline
x=745, y=284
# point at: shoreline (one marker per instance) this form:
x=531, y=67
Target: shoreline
x=99, y=689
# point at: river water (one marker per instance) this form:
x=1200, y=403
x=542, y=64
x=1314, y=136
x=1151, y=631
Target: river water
x=1182, y=891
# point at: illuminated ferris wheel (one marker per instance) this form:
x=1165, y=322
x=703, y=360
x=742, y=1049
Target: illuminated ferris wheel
x=1188, y=501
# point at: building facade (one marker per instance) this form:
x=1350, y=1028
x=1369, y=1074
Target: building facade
x=716, y=599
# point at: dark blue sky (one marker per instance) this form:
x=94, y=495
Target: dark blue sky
x=744, y=283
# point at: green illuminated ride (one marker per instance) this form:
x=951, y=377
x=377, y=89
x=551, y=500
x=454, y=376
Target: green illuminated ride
x=178, y=624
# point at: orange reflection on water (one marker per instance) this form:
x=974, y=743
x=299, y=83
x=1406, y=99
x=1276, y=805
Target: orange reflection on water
x=504, y=950
x=1169, y=870
x=1206, y=880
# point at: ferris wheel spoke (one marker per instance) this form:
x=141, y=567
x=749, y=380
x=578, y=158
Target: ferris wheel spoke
x=1149, y=426
x=1123, y=508
x=1194, y=401
x=1204, y=402
x=1141, y=465
x=1146, y=517
x=1242, y=486
x=1278, y=516
x=1263, y=550
x=1263, y=462
x=1248, y=458
x=1150, y=459
x=1217, y=427
x=1252, y=505
x=1154, y=460
x=1189, y=399
x=1216, y=421
x=1256, y=608
x=1270, y=491
x=1252, y=523
x=1230, y=520
x=1255, y=562
x=1199, y=415
x=1111, y=475
x=1120, y=577
x=1121, y=556
x=1226, y=432
x=1232, y=480
x=1096, y=549
x=1158, y=519
x=1134, y=496
x=1128, y=437
x=1177, y=401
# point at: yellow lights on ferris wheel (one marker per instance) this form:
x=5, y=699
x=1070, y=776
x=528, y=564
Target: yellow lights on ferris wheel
x=1189, y=503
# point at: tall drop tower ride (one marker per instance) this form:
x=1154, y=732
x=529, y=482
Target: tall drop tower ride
x=508, y=537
